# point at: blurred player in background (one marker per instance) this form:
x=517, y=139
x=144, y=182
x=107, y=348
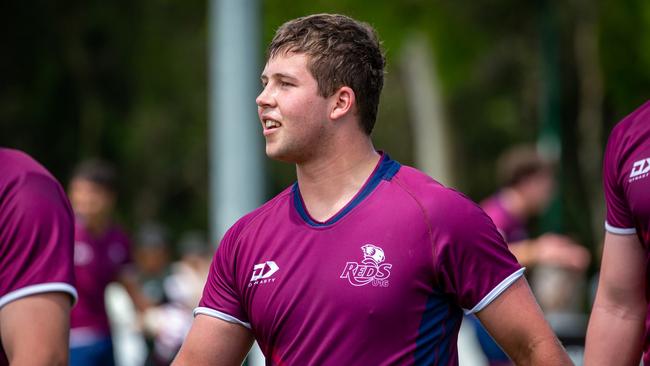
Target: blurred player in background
x=152, y=257
x=170, y=322
x=527, y=181
x=101, y=256
x=36, y=269
x=616, y=328
x=363, y=261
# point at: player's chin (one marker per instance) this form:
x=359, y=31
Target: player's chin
x=275, y=153
x=286, y=155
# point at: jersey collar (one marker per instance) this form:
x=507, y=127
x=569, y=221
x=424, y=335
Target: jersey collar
x=386, y=168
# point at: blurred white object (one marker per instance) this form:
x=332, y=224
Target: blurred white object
x=255, y=356
x=169, y=323
x=128, y=344
x=469, y=350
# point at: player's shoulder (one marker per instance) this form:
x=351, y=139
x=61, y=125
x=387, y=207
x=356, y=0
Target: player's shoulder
x=627, y=143
x=258, y=216
x=492, y=205
x=428, y=190
x=25, y=182
x=634, y=125
x=437, y=201
x=16, y=164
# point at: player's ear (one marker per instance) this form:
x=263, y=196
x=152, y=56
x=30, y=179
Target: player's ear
x=342, y=102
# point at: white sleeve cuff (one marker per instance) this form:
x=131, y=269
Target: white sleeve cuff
x=223, y=316
x=39, y=289
x=619, y=230
x=496, y=291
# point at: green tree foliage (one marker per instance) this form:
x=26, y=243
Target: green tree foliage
x=127, y=81
x=122, y=80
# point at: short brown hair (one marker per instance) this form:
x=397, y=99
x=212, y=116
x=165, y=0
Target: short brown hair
x=342, y=52
x=97, y=171
x=520, y=162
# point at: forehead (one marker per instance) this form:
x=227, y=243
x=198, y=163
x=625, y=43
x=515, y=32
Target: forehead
x=287, y=64
x=80, y=184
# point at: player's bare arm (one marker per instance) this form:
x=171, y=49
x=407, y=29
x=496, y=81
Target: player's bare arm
x=615, y=333
x=214, y=342
x=43, y=320
x=551, y=249
x=517, y=324
x=127, y=279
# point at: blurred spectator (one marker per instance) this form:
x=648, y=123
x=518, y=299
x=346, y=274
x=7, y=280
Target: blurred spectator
x=528, y=184
x=101, y=256
x=170, y=322
x=152, y=256
x=527, y=188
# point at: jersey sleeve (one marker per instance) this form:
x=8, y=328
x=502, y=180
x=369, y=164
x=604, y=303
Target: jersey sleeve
x=619, y=219
x=36, y=239
x=221, y=297
x=473, y=263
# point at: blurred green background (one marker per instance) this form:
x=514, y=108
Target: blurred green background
x=128, y=81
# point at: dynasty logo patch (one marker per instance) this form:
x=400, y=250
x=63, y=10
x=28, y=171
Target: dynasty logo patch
x=640, y=169
x=263, y=272
x=372, y=269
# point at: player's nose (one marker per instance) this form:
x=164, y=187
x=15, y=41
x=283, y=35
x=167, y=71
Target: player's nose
x=264, y=99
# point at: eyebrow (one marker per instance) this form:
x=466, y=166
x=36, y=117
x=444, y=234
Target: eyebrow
x=278, y=75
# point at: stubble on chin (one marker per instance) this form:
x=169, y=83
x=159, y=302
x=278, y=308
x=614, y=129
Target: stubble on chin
x=298, y=150
x=290, y=154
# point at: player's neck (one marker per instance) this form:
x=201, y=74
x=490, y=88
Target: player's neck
x=98, y=226
x=330, y=182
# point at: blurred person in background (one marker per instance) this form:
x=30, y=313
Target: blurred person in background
x=152, y=258
x=362, y=261
x=188, y=275
x=169, y=323
x=528, y=181
x=101, y=255
x=619, y=316
x=36, y=265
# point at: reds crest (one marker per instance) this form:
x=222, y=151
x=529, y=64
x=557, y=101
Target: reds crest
x=372, y=268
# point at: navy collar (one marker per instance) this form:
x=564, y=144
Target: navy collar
x=385, y=170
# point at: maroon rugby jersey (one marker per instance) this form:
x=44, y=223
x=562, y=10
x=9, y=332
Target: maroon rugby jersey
x=382, y=282
x=626, y=179
x=36, y=232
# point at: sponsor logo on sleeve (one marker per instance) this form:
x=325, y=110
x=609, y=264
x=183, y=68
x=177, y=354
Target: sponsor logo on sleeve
x=372, y=269
x=640, y=170
x=263, y=272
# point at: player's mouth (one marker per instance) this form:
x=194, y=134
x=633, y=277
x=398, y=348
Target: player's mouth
x=270, y=125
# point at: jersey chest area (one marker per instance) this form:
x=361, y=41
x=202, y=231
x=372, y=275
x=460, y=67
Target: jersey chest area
x=365, y=273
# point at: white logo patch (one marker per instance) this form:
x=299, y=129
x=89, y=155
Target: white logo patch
x=262, y=273
x=372, y=268
x=640, y=169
